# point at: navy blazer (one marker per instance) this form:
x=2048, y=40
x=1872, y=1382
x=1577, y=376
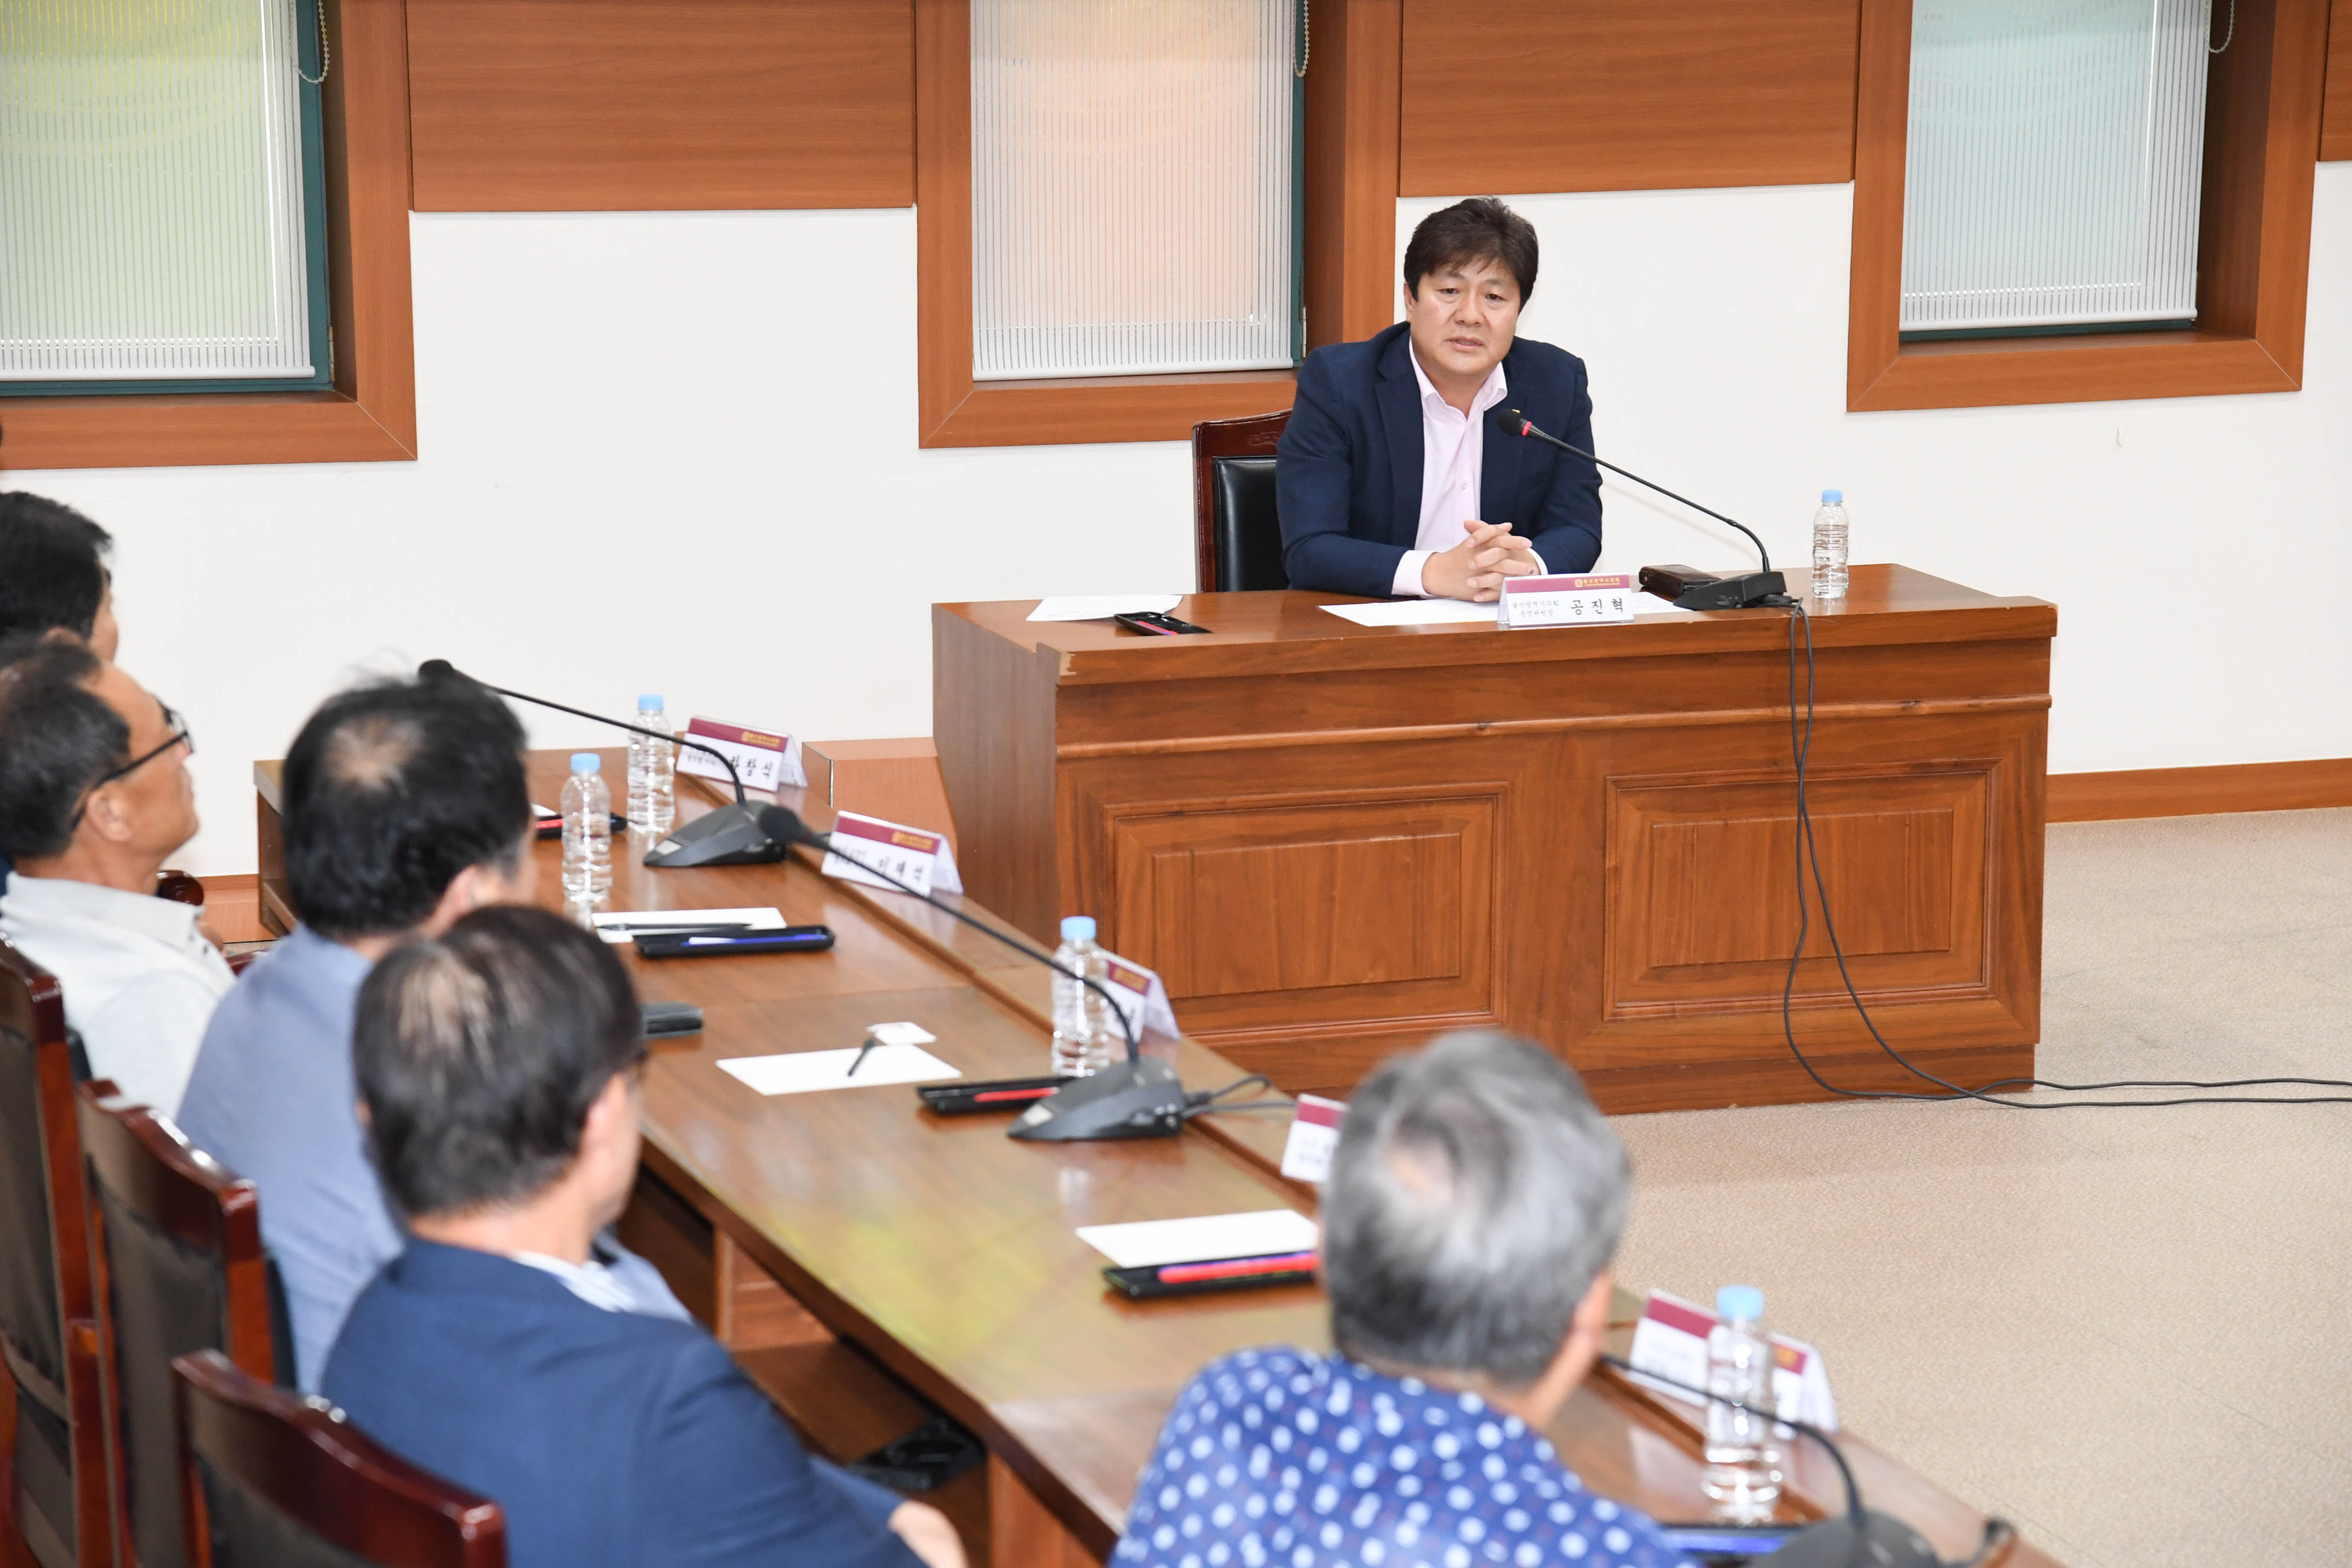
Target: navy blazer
x=1348, y=470
x=609, y=1439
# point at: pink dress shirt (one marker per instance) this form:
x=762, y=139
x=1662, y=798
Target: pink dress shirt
x=1453, y=462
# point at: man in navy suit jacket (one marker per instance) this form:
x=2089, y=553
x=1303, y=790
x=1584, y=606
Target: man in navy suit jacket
x=499, y=1064
x=1392, y=477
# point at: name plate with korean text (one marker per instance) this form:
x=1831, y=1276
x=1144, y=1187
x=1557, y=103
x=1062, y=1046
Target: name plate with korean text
x=1669, y=1342
x=1565, y=601
x=924, y=861
x=767, y=759
x=1314, y=1139
x=1142, y=999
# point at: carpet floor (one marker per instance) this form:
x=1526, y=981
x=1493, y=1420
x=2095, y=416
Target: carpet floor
x=2118, y=1329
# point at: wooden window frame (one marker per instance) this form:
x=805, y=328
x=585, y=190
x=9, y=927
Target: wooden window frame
x=957, y=411
x=2253, y=251
x=370, y=413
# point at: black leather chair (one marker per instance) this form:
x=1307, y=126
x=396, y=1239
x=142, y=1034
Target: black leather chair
x=275, y=1481
x=48, y=1330
x=1237, y=532
x=177, y=1266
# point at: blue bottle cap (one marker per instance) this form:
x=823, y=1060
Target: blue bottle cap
x=650, y=702
x=587, y=763
x=1077, y=928
x=1833, y=497
x=1739, y=1304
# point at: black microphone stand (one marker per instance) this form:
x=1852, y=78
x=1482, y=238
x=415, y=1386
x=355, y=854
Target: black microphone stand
x=1760, y=587
x=728, y=835
x=1140, y=1098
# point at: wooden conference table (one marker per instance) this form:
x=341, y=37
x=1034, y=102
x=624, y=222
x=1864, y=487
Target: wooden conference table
x=870, y=1264
x=1332, y=839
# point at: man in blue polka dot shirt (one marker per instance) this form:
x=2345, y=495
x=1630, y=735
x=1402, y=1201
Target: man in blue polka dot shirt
x=1471, y=1208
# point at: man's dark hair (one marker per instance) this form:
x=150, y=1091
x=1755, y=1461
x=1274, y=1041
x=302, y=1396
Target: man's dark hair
x=391, y=790
x=58, y=738
x=52, y=565
x=481, y=1052
x=1479, y=229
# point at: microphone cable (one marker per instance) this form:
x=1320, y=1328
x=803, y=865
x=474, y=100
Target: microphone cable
x=1801, y=743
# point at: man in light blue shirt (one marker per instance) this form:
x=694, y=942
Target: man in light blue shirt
x=405, y=807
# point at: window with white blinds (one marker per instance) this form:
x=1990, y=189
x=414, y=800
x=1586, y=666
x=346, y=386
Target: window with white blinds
x=2055, y=153
x=161, y=198
x=1135, y=186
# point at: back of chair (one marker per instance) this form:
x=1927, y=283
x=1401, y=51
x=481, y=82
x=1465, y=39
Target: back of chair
x=275, y=1481
x=47, y=1327
x=177, y=1267
x=1237, y=532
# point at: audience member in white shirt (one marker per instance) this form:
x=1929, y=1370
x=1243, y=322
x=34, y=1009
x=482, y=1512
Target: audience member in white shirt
x=94, y=794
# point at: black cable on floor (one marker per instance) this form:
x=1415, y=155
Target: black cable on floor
x=1800, y=744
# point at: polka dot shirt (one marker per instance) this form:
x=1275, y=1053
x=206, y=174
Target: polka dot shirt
x=1277, y=1458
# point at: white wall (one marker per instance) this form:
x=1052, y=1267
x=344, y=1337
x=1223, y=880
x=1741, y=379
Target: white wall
x=677, y=451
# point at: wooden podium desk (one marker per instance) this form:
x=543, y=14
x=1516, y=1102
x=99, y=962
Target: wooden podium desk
x=870, y=1264
x=1331, y=840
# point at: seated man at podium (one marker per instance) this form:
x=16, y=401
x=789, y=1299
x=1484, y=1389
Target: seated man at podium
x=1471, y=1207
x=1392, y=477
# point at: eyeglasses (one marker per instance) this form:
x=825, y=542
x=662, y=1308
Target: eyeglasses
x=180, y=736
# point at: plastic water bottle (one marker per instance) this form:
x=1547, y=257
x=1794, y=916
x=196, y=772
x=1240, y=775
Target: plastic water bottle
x=1829, y=547
x=1743, y=1459
x=1081, y=1016
x=587, y=832
x=653, y=772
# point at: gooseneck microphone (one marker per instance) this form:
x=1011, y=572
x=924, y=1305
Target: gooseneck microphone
x=1140, y=1098
x=1761, y=587
x=729, y=835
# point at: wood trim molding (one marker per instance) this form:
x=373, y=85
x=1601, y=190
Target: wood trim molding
x=690, y=105
x=2336, y=119
x=2262, y=130
x=955, y=410
x=2198, y=792
x=1355, y=84
x=370, y=414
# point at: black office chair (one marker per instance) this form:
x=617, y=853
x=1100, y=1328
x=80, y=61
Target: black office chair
x=47, y=1327
x=275, y=1480
x=177, y=1267
x=1236, y=529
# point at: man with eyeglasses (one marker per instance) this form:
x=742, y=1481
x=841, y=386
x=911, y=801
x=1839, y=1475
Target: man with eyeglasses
x=94, y=796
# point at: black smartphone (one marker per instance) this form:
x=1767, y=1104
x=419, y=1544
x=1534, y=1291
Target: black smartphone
x=721, y=944
x=1151, y=623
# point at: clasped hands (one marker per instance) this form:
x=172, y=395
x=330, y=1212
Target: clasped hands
x=1475, y=569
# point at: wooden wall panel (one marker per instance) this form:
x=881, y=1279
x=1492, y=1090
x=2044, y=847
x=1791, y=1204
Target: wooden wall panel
x=2336, y=119
x=1610, y=95
x=616, y=105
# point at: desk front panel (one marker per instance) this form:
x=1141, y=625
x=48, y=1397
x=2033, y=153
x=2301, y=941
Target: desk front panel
x=1330, y=862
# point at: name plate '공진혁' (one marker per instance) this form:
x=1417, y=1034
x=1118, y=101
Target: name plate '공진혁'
x=1564, y=601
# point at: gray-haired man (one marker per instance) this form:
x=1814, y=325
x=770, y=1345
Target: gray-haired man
x=1471, y=1208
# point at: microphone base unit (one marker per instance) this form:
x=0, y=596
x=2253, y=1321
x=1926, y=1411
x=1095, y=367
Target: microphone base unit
x=725, y=835
x=1880, y=1542
x=1138, y=1099
x=1745, y=592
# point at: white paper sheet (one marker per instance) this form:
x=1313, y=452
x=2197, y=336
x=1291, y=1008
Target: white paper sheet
x=1147, y=1244
x=609, y=925
x=1651, y=605
x=1101, y=606
x=1413, y=612
x=804, y=1073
